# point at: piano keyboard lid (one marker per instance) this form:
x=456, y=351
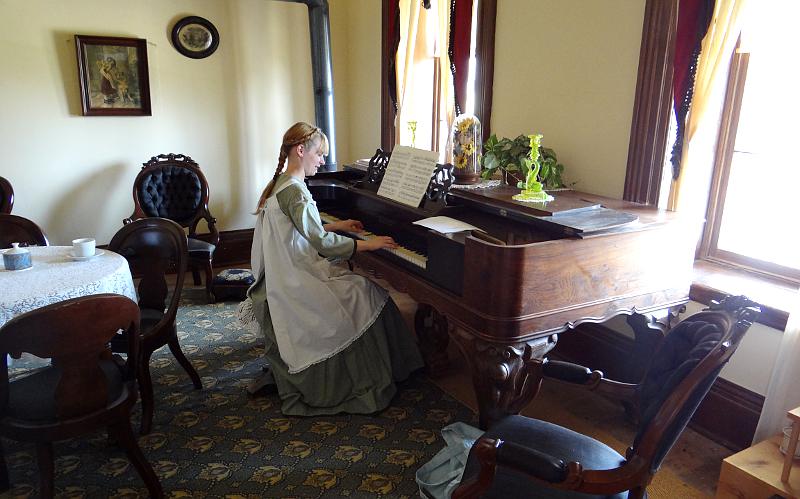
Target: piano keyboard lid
x=567, y=214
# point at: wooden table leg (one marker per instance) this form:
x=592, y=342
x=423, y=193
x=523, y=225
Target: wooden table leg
x=790, y=450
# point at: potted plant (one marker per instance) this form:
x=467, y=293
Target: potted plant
x=514, y=159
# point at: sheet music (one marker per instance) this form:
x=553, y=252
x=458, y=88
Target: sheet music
x=445, y=225
x=408, y=174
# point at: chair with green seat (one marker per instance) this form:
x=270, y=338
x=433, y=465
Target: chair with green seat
x=83, y=389
x=522, y=457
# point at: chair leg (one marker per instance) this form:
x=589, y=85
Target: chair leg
x=5, y=483
x=175, y=348
x=44, y=454
x=146, y=392
x=209, y=278
x=124, y=434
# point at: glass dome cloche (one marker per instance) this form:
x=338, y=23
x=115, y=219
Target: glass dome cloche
x=467, y=149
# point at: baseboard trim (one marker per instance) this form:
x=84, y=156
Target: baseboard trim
x=728, y=415
x=233, y=248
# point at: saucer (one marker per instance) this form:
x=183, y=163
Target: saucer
x=84, y=258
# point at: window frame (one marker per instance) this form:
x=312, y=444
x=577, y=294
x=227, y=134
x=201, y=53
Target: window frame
x=484, y=73
x=708, y=249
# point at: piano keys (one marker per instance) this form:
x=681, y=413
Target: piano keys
x=505, y=292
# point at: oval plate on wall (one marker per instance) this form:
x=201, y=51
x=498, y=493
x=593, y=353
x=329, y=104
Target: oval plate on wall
x=195, y=37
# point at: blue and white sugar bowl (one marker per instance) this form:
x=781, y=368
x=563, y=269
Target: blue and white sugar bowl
x=17, y=258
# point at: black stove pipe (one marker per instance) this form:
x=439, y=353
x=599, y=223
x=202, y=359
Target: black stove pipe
x=322, y=73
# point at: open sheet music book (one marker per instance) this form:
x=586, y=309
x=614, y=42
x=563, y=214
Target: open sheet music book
x=407, y=175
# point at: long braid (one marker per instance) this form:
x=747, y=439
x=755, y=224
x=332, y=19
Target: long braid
x=271, y=185
x=299, y=133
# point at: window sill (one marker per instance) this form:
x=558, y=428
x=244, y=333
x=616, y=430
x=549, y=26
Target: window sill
x=712, y=281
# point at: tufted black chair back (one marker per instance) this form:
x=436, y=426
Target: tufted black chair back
x=683, y=371
x=6, y=196
x=172, y=186
x=171, y=192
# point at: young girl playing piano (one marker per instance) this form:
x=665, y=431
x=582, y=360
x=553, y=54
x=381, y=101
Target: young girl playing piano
x=335, y=341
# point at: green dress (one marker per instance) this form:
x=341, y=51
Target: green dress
x=361, y=378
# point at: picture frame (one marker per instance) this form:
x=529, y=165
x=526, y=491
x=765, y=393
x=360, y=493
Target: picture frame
x=113, y=76
x=195, y=37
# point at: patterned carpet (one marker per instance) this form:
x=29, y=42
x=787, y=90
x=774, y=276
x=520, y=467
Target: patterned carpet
x=220, y=442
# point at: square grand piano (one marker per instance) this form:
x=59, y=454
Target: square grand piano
x=533, y=271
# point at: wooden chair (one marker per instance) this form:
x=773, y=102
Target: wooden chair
x=154, y=247
x=172, y=186
x=82, y=390
x=16, y=229
x=522, y=457
x=6, y=196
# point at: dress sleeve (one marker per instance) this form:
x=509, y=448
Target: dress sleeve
x=298, y=205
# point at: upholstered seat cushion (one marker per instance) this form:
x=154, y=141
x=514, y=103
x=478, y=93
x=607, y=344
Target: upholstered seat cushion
x=200, y=249
x=550, y=439
x=32, y=398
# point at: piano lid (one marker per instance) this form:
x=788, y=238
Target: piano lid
x=569, y=213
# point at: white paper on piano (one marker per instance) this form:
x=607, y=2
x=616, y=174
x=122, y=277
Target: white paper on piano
x=445, y=225
x=407, y=175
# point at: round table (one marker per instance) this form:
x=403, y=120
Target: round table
x=56, y=277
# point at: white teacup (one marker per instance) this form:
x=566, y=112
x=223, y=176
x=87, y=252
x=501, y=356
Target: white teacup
x=83, y=247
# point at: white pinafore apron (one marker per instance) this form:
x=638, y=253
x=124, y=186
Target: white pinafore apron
x=317, y=309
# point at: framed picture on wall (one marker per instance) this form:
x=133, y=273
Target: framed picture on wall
x=113, y=76
x=195, y=37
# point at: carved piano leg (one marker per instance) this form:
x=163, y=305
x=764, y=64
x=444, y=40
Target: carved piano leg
x=432, y=332
x=506, y=377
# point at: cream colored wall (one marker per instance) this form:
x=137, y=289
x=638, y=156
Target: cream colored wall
x=567, y=69
x=73, y=174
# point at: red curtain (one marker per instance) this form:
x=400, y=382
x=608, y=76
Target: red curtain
x=460, y=37
x=393, y=35
x=694, y=17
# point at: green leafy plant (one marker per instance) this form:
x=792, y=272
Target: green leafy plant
x=513, y=156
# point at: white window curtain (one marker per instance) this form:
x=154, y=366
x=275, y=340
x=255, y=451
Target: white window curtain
x=424, y=35
x=783, y=392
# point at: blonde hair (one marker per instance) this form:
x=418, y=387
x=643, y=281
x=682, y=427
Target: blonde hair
x=297, y=134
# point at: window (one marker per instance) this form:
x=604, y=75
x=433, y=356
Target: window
x=752, y=216
x=429, y=110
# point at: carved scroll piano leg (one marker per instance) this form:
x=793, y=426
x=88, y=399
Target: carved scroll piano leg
x=432, y=332
x=506, y=377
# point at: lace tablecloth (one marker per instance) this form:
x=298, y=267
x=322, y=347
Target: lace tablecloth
x=55, y=277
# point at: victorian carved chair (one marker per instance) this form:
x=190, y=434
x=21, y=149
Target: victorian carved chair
x=154, y=247
x=6, y=196
x=523, y=457
x=82, y=390
x=172, y=186
x=16, y=229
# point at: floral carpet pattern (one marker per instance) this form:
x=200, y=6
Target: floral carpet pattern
x=222, y=442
